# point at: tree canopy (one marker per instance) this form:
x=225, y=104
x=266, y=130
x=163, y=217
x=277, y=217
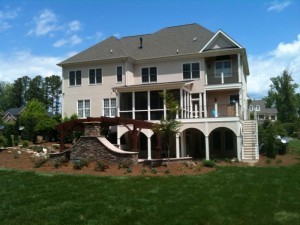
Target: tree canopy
x=282, y=95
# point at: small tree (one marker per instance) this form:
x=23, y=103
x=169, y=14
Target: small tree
x=168, y=127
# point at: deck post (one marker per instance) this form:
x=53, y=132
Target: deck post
x=206, y=147
x=149, y=147
x=177, y=145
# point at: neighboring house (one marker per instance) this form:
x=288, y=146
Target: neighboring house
x=12, y=114
x=258, y=107
x=206, y=72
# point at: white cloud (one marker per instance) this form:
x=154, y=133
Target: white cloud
x=45, y=23
x=272, y=64
x=277, y=6
x=7, y=14
x=70, y=41
x=24, y=63
x=75, y=25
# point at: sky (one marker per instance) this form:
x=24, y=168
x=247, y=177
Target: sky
x=35, y=35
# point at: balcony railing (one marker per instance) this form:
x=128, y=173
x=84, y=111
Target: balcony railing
x=228, y=78
x=212, y=111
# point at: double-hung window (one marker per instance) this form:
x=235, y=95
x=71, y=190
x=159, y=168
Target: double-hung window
x=109, y=107
x=95, y=76
x=149, y=74
x=191, y=71
x=75, y=78
x=83, y=108
x=119, y=74
x=223, y=67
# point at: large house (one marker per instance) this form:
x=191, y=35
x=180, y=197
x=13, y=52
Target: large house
x=261, y=112
x=205, y=71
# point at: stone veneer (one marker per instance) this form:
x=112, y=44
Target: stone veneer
x=90, y=147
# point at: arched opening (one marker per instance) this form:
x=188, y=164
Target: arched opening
x=194, y=143
x=222, y=143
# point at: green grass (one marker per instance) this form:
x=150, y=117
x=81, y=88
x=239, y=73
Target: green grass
x=230, y=195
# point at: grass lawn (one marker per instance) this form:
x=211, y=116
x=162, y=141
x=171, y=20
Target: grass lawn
x=230, y=195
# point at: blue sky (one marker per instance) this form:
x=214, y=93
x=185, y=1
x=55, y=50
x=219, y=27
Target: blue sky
x=37, y=34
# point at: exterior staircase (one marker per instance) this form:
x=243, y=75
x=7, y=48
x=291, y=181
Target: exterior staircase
x=250, y=151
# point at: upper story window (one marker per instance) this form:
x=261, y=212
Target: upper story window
x=149, y=74
x=223, y=66
x=251, y=108
x=109, y=107
x=257, y=108
x=83, y=108
x=95, y=76
x=191, y=71
x=119, y=73
x=75, y=78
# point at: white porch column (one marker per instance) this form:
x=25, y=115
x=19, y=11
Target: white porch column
x=119, y=142
x=185, y=105
x=239, y=147
x=191, y=106
x=165, y=107
x=236, y=109
x=149, y=147
x=181, y=103
x=206, y=148
x=177, y=145
x=222, y=78
x=133, y=105
x=205, y=104
x=200, y=105
x=239, y=67
x=216, y=110
x=148, y=106
x=183, y=144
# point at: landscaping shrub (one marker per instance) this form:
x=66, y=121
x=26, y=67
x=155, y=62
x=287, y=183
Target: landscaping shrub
x=79, y=163
x=154, y=171
x=143, y=171
x=101, y=166
x=127, y=163
x=167, y=171
x=16, y=154
x=2, y=141
x=208, y=163
x=39, y=161
x=25, y=144
x=129, y=170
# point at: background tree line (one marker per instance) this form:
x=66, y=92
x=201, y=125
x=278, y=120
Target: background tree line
x=283, y=96
x=46, y=90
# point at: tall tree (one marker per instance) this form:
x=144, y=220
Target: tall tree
x=52, y=87
x=282, y=95
x=36, y=89
x=5, y=93
x=19, y=94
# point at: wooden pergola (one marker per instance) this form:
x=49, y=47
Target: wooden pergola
x=77, y=125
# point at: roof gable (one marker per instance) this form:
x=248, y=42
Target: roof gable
x=220, y=41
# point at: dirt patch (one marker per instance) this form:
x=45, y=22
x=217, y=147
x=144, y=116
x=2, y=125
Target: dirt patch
x=10, y=158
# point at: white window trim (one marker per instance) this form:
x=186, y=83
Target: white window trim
x=109, y=107
x=84, y=108
x=148, y=67
x=191, y=78
x=251, y=108
x=95, y=76
x=223, y=62
x=75, y=85
x=257, y=108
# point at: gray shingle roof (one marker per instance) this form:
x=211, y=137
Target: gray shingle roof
x=188, y=39
x=263, y=108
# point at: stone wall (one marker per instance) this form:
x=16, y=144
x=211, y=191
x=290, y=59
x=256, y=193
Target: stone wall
x=91, y=148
